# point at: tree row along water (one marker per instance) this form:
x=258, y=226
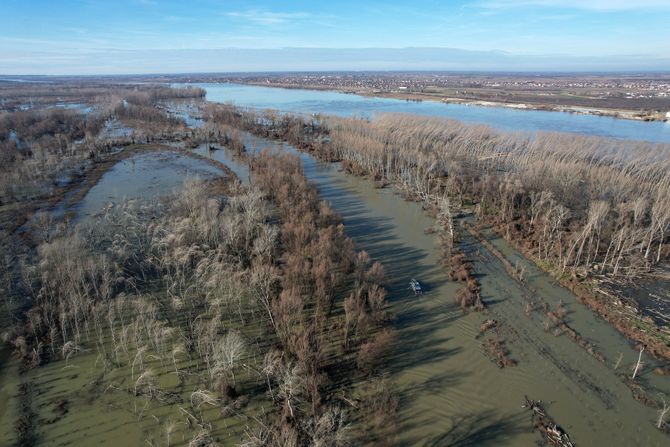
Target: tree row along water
x=451, y=393
x=341, y=104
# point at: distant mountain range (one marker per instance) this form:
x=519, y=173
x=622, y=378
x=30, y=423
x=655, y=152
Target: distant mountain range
x=114, y=61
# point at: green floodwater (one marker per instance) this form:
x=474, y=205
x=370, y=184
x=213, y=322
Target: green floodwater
x=451, y=393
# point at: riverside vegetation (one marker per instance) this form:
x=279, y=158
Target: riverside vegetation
x=218, y=314
x=224, y=314
x=593, y=211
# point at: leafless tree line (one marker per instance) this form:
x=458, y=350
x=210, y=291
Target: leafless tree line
x=583, y=202
x=319, y=264
x=580, y=203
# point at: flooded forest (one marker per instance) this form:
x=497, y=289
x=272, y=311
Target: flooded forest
x=182, y=271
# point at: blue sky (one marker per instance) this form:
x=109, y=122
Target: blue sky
x=95, y=36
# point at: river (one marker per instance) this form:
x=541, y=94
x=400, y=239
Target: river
x=451, y=393
x=336, y=103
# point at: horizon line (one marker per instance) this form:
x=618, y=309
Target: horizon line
x=13, y=77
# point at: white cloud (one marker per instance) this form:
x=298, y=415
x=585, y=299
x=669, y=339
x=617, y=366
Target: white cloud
x=268, y=17
x=590, y=5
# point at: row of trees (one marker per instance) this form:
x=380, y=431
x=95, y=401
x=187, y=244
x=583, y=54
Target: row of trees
x=588, y=204
x=582, y=203
x=322, y=336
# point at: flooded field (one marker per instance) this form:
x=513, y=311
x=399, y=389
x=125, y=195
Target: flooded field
x=87, y=401
x=452, y=393
x=144, y=176
x=115, y=129
x=98, y=394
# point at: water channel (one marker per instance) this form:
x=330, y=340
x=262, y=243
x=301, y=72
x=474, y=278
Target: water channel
x=451, y=393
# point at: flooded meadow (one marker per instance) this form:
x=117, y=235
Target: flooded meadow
x=451, y=390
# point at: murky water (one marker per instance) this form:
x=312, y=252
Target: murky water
x=335, y=103
x=452, y=393
x=80, y=402
x=653, y=297
x=236, y=164
x=101, y=408
x=186, y=111
x=115, y=129
x=144, y=175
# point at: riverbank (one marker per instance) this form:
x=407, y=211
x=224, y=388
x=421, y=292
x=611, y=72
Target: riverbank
x=613, y=113
x=626, y=114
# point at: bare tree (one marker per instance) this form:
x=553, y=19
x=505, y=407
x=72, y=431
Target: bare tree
x=638, y=364
x=660, y=422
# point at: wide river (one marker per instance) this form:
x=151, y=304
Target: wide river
x=335, y=103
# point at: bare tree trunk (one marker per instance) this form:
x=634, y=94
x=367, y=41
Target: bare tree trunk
x=618, y=362
x=639, y=362
x=660, y=422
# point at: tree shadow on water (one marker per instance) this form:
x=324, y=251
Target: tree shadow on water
x=483, y=429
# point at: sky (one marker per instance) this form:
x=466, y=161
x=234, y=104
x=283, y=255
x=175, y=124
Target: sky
x=178, y=36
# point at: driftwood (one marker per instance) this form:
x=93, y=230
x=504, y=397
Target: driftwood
x=551, y=432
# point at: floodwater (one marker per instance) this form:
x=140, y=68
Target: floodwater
x=115, y=129
x=653, y=297
x=186, y=111
x=144, y=175
x=336, y=103
x=451, y=392
x=81, y=402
